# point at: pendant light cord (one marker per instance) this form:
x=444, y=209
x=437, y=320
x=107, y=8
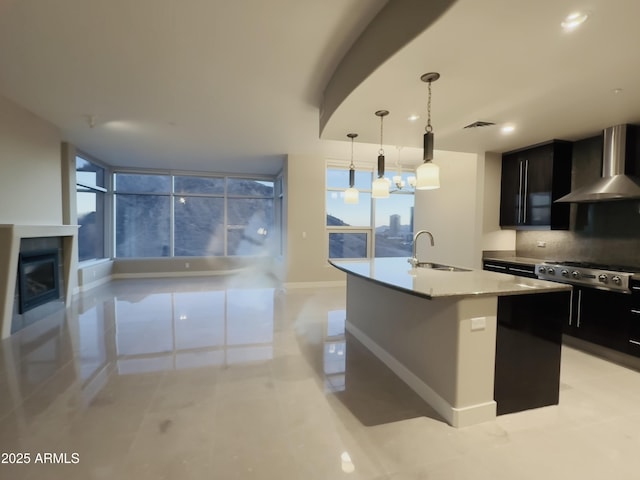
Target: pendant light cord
x=429, y=128
x=351, y=165
x=381, y=151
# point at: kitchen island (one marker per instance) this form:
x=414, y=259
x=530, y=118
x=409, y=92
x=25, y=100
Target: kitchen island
x=471, y=343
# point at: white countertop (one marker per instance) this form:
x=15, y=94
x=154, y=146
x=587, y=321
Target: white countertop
x=432, y=284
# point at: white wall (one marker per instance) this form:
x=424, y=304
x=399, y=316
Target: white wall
x=30, y=169
x=306, y=238
x=451, y=212
x=493, y=238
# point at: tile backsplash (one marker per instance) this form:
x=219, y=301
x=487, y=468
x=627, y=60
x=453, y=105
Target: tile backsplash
x=607, y=233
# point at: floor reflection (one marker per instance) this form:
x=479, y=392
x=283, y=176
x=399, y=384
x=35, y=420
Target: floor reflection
x=193, y=329
x=335, y=350
x=136, y=359
x=233, y=378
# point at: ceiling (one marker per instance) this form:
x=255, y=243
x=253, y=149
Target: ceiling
x=232, y=86
x=505, y=61
x=213, y=85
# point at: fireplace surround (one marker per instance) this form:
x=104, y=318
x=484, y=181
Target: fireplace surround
x=11, y=238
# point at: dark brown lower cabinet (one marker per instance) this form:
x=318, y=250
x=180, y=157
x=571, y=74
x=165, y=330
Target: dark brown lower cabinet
x=600, y=317
x=528, y=350
x=633, y=347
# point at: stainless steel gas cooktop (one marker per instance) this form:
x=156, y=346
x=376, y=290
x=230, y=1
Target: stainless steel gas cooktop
x=606, y=277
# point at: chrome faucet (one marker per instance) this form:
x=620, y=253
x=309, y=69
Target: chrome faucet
x=414, y=259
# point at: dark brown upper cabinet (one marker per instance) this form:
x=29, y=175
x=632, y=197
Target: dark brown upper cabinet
x=532, y=178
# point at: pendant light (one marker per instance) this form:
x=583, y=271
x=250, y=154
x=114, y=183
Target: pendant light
x=428, y=174
x=397, y=178
x=380, y=186
x=351, y=194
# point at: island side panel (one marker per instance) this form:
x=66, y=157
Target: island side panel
x=528, y=350
x=477, y=328
x=430, y=345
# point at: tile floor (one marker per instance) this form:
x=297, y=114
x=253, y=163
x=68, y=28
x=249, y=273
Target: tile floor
x=234, y=378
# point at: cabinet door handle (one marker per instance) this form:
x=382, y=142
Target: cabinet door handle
x=495, y=266
x=579, y=307
x=637, y=312
x=520, y=182
x=636, y=288
x=635, y=342
x=571, y=309
x=521, y=270
x=526, y=190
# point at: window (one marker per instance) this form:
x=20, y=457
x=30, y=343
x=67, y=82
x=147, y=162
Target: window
x=348, y=245
x=90, y=200
x=142, y=215
x=185, y=215
x=250, y=216
x=279, y=214
x=380, y=228
x=198, y=226
x=199, y=216
x=142, y=225
x=348, y=226
x=394, y=223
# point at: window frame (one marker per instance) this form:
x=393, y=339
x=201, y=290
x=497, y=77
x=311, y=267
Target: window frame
x=333, y=165
x=105, y=191
x=369, y=230
x=173, y=195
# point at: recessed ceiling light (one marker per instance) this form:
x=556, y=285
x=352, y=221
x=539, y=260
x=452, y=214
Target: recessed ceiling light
x=617, y=91
x=507, y=129
x=119, y=125
x=413, y=118
x=574, y=20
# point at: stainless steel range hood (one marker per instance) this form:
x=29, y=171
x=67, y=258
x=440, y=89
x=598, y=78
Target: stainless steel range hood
x=618, y=180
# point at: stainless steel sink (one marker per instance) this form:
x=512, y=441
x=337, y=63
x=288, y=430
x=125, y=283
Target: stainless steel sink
x=441, y=267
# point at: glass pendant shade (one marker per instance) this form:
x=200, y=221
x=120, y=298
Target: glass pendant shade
x=427, y=176
x=380, y=188
x=412, y=181
x=351, y=195
x=398, y=182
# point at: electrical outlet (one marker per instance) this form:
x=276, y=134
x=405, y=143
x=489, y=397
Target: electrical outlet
x=478, y=323
x=186, y=265
x=541, y=244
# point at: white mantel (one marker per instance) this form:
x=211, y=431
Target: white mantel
x=10, y=236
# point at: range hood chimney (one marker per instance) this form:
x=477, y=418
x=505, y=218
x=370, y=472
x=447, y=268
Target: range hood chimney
x=619, y=180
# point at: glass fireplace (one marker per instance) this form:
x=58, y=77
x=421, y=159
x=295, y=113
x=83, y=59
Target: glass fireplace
x=38, y=278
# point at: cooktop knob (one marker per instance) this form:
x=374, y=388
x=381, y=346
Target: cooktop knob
x=575, y=274
x=542, y=270
x=565, y=273
x=603, y=278
x=551, y=271
x=616, y=280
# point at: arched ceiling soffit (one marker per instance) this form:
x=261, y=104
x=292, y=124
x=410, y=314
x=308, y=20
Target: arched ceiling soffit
x=399, y=22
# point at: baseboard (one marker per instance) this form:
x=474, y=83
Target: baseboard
x=123, y=276
x=456, y=417
x=200, y=273
x=88, y=286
